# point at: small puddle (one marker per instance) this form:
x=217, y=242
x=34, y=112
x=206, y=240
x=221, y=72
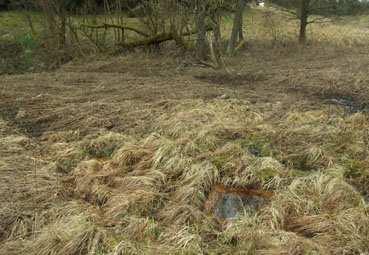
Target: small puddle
x=229, y=203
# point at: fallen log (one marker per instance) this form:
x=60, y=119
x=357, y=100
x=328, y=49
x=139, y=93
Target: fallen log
x=158, y=39
x=149, y=41
x=106, y=26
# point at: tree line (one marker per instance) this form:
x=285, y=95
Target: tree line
x=171, y=20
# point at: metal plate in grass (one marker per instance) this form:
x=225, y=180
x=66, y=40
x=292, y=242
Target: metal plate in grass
x=229, y=203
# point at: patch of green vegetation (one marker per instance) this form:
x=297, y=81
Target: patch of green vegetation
x=257, y=146
x=266, y=174
x=19, y=42
x=12, y=23
x=18, y=56
x=357, y=173
x=220, y=160
x=29, y=45
x=226, y=154
x=295, y=173
x=356, y=169
x=67, y=164
x=99, y=150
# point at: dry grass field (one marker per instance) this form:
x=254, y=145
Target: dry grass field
x=123, y=155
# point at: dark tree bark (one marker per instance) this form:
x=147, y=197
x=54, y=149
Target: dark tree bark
x=63, y=30
x=217, y=38
x=201, y=42
x=240, y=31
x=237, y=26
x=304, y=16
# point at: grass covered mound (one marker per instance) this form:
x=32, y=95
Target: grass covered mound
x=120, y=194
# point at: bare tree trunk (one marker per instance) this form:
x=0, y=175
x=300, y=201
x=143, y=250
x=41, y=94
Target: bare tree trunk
x=216, y=47
x=56, y=21
x=237, y=26
x=201, y=42
x=49, y=17
x=304, y=15
x=240, y=31
x=62, y=30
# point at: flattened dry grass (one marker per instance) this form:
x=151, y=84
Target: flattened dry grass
x=142, y=188
x=148, y=194
x=27, y=187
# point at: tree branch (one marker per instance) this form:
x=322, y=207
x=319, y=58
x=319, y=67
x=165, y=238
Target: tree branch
x=157, y=39
x=106, y=26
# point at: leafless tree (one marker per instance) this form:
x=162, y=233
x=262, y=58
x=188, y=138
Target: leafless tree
x=237, y=30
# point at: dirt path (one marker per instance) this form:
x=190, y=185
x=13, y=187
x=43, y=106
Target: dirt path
x=126, y=94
